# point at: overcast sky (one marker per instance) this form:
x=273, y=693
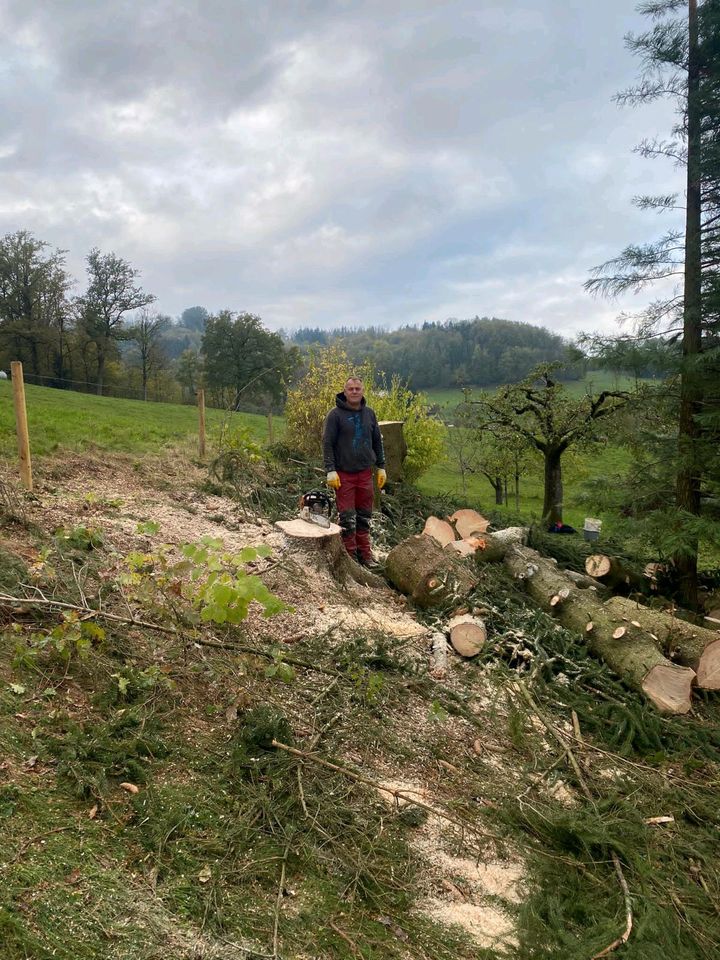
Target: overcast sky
x=333, y=162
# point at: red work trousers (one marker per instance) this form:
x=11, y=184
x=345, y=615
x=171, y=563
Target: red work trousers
x=354, y=502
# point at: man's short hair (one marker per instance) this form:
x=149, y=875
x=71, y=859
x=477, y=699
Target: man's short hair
x=358, y=379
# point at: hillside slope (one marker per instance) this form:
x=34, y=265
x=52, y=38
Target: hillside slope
x=147, y=814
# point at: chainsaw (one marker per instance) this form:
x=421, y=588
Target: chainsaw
x=316, y=507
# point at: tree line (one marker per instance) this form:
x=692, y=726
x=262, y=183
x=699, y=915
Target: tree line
x=482, y=351
x=111, y=339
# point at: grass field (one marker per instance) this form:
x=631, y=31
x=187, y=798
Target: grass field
x=593, y=382
x=61, y=419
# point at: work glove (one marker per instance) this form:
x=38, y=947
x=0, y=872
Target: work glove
x=333, y=480
x=381, y=477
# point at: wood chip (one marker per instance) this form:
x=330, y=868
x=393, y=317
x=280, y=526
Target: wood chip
x=620, y=632
x=657, y=821
x=130, y=788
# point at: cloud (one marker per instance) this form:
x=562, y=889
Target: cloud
x=332, y=163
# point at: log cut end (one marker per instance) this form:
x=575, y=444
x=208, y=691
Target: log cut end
x=467, y=635
x=668, y=687
x=469, y=522
x=708, y=668
x=597, y=565
x=439, y=530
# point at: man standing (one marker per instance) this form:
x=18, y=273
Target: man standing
x=352, y=444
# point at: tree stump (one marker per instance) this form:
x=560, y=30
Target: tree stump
x=395, y=448
x=420, y=568
x=325, y=546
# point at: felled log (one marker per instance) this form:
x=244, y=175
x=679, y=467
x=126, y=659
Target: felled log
x=585, y=582
x=325, y=546
x=468, y=523
x=467, y=635
x=628, y=650
x=395, y=448
x=614, y=573
x=439, y=530
x=420, y=568
x=496, y=544
x=438, y=655
x=682, y=642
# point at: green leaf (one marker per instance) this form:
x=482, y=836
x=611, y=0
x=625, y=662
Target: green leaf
x=285, y=672
x=148, y=526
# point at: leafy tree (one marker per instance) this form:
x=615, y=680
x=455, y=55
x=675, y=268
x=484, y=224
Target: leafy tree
x=194, y=318
x=327, y=369
x=550, y=420
x=34, y=309
x=147, y=332
x=681, y=57
x=189, y=373
x=112, y=292
x=241, y=354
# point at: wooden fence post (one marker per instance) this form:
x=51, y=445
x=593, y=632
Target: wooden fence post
x=201, y=415
x=18, y=385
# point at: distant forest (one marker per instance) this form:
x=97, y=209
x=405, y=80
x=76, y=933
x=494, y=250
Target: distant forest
x=483, y=351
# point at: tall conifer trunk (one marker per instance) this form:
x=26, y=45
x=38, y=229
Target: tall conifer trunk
x=687, y=497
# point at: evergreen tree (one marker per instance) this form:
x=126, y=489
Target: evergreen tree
x=681, y=55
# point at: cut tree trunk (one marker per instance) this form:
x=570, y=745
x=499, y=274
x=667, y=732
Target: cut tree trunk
x=430, y=575
x=325, y=546
x=614, y=573
x=395, y=449
x=628, y=650
x=468, y=523
x=467, y=635
x=585, y=582
x=682, y=642
x=439, y=530
x=498, y=543
x=438, y=655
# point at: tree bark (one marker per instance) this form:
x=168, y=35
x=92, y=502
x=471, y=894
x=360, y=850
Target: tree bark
x=687, y=490
x=633, y=655
x=420, y=568
x=553, y=488
x=682, y=642
x=395, y=449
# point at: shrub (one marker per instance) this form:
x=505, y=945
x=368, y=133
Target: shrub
x=327, y=371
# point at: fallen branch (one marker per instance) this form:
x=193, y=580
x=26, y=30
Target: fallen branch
x=278, y=901
x=376, y=785
x=61, y=605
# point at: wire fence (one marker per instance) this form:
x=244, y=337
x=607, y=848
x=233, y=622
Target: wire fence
x=154, y=394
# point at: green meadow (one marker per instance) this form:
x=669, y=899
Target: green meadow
x=447, y=398
x=63, y=420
